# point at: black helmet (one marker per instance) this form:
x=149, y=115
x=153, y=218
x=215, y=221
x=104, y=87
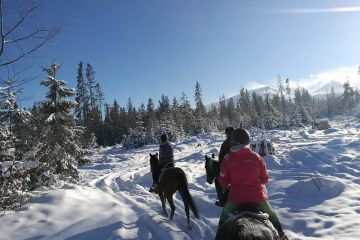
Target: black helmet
x=163, y=138
x=229, y=131
x=240, y=136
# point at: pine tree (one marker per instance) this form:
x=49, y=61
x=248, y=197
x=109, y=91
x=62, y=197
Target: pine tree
x=81, y=96
x=272, y=117
x=347, y=98
x=222, y=108
x=91, y=84
x=231, y=112
x=150, y=115
x=281, y=91
x=131, y=114
x=176, y=114
x=244, y=108
x=187, y=114
x=200, y=111
x=59, y=150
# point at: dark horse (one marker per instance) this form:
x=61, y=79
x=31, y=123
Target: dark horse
x=248, y=222
x=171, y=180
x=212, y=167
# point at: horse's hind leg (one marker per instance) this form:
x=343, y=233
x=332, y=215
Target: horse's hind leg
x=163, y=203
x=172, y=205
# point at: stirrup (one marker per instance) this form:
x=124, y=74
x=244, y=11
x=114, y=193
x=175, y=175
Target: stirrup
x=219, y=204
x=154, y=188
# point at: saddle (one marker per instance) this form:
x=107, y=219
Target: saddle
x=163, y=170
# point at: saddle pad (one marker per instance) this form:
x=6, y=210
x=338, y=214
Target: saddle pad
x=162, y=172
x=263, y=217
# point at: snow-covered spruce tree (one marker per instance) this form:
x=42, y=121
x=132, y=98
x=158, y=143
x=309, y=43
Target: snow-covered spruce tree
x=137, y=137
x=166, y=123
x=59, y=150
x=271, y=118
x=13, y=177
x=347, y=98
x=81, y=96
x=243, y=107
x=150, y=118
x=213, y=121
x=200, y=111
x=187, y=114
x=295, y=117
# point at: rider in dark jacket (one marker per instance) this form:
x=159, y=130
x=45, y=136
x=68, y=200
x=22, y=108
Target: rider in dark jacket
x=166, y=160
x=224, y=150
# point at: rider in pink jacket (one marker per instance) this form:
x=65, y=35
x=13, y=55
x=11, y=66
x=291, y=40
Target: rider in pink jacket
x=245, y=171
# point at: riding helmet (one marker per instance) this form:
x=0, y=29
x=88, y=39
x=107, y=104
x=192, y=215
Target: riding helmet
x=240, y=136
x=229, y=131
x=164, y=138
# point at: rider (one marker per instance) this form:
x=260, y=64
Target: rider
x=224, y=150
x=246, y=172
x=166, y=160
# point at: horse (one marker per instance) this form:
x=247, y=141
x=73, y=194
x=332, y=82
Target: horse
x=248, y=222
x=212, y=168
x=171, y=180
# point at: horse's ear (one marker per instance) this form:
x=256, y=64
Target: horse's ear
x=156, y=154
x=150, y=155
x=213, y=155
x=206, y=157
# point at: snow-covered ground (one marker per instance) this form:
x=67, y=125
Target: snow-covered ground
x=314, y=188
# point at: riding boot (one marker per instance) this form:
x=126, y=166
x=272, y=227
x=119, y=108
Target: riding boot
x=154, y=188
x=221, y=194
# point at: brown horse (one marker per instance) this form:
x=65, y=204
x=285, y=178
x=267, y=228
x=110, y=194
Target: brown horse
x=171, y=180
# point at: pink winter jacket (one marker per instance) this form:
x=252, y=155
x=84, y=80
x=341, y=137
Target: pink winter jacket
x=245, y=171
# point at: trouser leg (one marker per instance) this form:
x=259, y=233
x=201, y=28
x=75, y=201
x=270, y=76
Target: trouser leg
x=219, y=190
x=156, y=174
x=228, y=208
x=266, y=208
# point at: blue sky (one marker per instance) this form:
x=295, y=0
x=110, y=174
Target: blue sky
x=141, y=49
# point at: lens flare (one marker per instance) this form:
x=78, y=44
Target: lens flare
x=321, y=10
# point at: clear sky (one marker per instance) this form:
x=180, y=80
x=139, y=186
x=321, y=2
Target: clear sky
x=143, y=48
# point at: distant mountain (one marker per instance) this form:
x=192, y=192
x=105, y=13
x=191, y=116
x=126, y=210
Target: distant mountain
x=262, y=91
x=326, y=88
x=316, y=89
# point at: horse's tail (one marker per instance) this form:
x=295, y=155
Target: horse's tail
x=185, y=194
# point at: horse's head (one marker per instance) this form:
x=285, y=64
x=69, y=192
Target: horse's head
x=154, y=160
x=211, y=167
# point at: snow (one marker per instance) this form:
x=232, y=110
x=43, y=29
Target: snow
x=314, y=188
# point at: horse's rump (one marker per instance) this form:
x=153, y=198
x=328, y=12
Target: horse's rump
x=248, y=222
x=247, y=227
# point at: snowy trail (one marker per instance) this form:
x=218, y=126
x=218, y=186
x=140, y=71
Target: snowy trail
x=314, y=187
x=128, y=183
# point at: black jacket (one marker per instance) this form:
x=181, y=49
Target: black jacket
x=224, y=150
x=166, y=154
